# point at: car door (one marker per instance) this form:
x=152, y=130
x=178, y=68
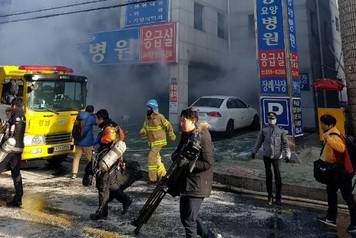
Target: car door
x=231, y=112
x=243, y=113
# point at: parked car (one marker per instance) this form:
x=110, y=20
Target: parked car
x=226, y=113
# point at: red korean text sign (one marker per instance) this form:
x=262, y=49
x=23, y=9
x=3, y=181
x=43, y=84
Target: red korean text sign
x=158, y=43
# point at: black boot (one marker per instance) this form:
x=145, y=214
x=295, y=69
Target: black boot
x=15, y=202
x=125, y=206
x=100, y=215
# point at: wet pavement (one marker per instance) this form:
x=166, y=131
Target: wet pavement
x=233, y=156
x=56, y=206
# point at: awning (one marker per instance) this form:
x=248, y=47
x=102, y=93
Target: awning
x=328, y=84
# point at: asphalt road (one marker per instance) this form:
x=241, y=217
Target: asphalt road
x=56, y=206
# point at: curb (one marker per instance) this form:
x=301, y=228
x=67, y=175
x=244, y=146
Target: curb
x=258, y=187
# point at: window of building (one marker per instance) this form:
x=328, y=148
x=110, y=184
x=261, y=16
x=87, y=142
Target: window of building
x=337, y=24
x=251, y=26
x=221, y=26
x=198, y=16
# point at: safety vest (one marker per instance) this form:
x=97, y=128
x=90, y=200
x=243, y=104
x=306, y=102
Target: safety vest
x=155, y=128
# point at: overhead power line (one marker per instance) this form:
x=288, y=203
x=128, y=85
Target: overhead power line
x=75, y=12
x=52, y=8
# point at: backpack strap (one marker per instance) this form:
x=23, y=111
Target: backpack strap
x=345, y=156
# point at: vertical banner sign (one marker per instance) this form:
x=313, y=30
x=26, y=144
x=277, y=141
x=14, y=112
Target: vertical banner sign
x=173, y=96
x=304, y=81
x=297, y=116
x=271, y=47
x=146, y=13
x=293, y=50
x=158, y=43
x=276, y=39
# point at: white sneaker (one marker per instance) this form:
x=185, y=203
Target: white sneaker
x=74, y=176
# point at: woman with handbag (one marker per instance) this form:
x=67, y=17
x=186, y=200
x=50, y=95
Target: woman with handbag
x=335, y=153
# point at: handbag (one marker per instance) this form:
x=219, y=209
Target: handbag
x=327, y=173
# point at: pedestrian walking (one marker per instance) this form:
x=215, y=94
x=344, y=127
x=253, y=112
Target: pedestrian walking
x=197, y=184
x=155, y=128
x=107, y=182
x=275, y=147
x=12, y=162
x=84, y=143
x=335, y=152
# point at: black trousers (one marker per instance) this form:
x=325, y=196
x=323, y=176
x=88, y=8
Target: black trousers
x=12, y=162
x=189, y=210
x=109, y=190
x=345, y=186
x=269, y=163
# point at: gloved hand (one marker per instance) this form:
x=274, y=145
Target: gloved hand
x=183, y=162
x=253, y=155
x=287, y=159
x=173, y=137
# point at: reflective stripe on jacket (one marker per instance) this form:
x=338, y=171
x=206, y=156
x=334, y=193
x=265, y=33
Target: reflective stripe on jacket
x=155, y=128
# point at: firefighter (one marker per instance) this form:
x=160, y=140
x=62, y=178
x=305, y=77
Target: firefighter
x=12, y=162
x=107, y=182
x=155, y=128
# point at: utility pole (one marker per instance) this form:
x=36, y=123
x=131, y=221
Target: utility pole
x=347, y=10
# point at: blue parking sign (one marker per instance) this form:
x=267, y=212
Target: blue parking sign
x=285, y=116
x=280, y=106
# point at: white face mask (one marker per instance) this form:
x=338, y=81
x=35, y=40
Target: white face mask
x=272, y=121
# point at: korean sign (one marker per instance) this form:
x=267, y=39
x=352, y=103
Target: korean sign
x=114, y=47
x=173, y=96
x=282, y=107
x=293, y=48
x=297, y=116
x=146, y=12
x=158, y=43
x=304, y=81
x=147, y=44
x=277, y=58
x=271, y=52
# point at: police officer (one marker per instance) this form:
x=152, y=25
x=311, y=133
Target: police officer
x=275, y=147
x=12, y=162
x=107, y=182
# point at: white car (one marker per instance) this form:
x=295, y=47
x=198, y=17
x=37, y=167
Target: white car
x=226, y=113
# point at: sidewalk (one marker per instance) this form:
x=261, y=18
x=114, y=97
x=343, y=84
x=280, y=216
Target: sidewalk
x=234, y=165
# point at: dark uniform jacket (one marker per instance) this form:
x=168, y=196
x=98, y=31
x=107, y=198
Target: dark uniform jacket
x=199, y=182
x=17, y=119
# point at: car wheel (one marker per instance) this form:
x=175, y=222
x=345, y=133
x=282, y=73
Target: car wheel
x=229, y=128
x=255, y=125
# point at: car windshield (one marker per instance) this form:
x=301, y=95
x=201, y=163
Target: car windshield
x=209, y=102
x=54, y=95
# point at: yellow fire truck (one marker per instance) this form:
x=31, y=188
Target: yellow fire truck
x=52, y=98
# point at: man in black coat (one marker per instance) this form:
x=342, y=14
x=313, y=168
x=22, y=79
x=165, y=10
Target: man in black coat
x=196, y=185
x=107, y=182
x=12, y=162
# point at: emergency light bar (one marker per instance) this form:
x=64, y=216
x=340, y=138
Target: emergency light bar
x=46, y=68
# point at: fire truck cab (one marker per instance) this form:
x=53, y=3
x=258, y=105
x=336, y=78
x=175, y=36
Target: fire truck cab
x=52, y=99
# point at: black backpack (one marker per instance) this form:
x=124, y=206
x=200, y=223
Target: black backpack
x=78, y=129
x=351, y=148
